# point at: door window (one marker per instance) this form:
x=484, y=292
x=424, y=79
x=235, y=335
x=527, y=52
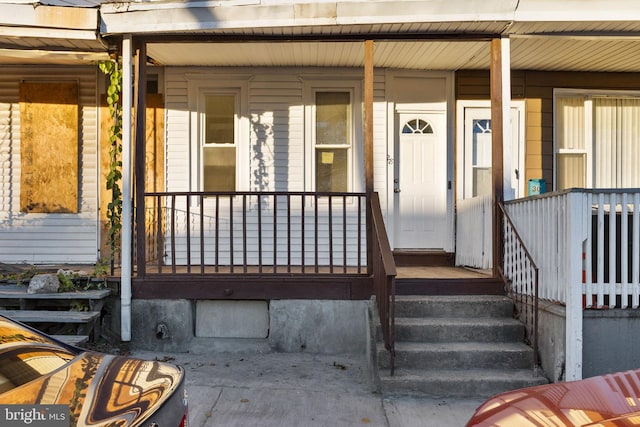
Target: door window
x=417, y=126
x=481, y=157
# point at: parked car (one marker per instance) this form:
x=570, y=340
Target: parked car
x=99, y=389
x=606, y=400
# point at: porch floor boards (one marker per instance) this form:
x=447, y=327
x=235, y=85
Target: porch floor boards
x=441, y=272
x=403, y=272
x=441, y=280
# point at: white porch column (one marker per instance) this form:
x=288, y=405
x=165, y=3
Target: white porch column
x=576, y=220
x=127, y=226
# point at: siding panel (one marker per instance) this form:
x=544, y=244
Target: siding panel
x=48, y=238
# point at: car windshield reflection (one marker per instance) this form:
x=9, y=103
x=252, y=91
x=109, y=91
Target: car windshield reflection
x=22, y=365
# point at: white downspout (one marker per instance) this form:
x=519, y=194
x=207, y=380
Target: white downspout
x=127, y=102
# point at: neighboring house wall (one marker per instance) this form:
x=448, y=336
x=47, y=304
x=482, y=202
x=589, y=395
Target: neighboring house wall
x=536, y=87
x=48, y=237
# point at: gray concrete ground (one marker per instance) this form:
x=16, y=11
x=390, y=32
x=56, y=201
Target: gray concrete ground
x=299, y=389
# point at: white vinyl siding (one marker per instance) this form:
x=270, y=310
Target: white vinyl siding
x=48, y=238
x=276, y=149
x=382, y=148
x=277, y=132
x=178, y=133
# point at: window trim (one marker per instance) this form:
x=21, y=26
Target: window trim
x=355, y=162
x=588, y=95
x=202, y=143
x=198, y=90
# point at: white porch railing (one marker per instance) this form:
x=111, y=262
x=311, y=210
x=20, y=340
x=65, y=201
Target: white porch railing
x=587, y=247
x=473, y=232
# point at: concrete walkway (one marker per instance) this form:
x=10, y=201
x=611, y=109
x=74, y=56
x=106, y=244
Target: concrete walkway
x=299, y=389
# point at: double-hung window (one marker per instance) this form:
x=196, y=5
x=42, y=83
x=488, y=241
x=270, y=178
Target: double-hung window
x=333, y=140
x=219, y=144
x=597, y=140
x=333, y=135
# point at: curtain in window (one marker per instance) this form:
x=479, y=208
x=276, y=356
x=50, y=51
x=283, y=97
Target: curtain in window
x=571, y=158
x=616, y=142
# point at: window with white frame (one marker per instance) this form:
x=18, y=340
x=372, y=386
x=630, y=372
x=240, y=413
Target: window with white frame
x=597, y=140
x=333, y=135
x=219, y=145
x=333, y=140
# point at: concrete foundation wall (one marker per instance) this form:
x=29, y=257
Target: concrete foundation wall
x=327, y=327
x=162, y=325
x=315, y=326
x=611, y=341
x=551, y=340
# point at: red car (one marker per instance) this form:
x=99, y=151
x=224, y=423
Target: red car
x=37, y=371
x=607, y=400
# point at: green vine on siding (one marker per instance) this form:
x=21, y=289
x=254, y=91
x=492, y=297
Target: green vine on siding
x=114, y=175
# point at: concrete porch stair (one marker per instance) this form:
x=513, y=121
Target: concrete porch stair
x=456, y=346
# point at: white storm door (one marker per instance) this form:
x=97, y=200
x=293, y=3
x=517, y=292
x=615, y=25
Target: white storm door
x=477, y=153
x=421, y=182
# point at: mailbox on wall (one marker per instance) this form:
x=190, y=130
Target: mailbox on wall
x=537, y=186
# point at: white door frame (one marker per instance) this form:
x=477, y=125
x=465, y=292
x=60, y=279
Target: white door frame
x=392, y=140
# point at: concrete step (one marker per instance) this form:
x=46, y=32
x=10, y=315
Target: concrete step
x=45, y=316
x=441, y=329
x=471, y=355
x=462, y=383
x=14, y=292
x=454, y=306
x=53, y=312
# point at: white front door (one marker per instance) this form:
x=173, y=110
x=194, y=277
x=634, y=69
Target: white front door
x=421, y=181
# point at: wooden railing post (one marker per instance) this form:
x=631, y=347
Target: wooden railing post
x=140, y=91
x=500, y=84
x=368, y=140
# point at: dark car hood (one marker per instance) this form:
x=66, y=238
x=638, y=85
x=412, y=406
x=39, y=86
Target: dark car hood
x=607, y=400
x=102, y=389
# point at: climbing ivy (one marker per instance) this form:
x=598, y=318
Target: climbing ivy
x=114, y=175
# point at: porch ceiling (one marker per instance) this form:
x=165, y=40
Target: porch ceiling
x=545, y=52
x=419, y=34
